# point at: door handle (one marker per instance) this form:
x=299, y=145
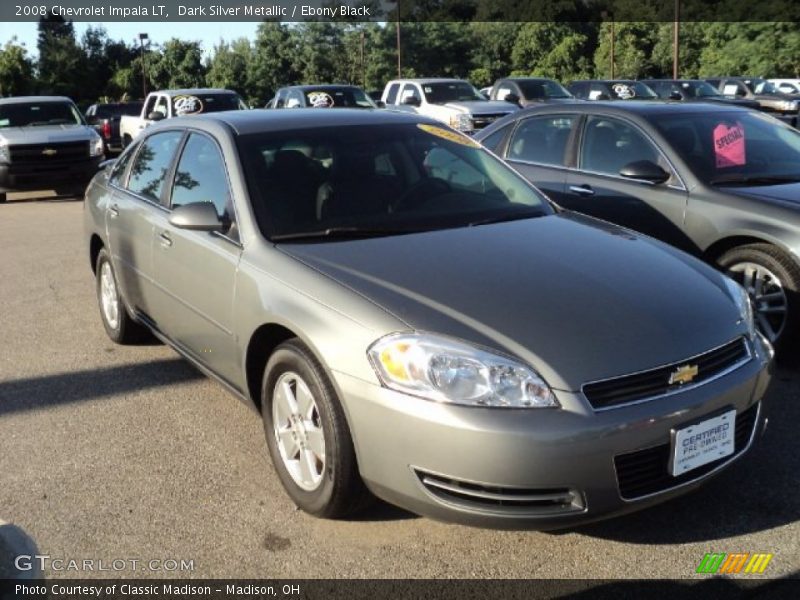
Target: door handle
x=581, y=190
x=113, y=211
x=165, y=239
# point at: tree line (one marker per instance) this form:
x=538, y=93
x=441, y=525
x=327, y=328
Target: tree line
x=96, y=67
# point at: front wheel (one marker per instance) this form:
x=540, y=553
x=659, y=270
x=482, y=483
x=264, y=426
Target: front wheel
x=308, y=436
x=118, y=324
x=772, y=279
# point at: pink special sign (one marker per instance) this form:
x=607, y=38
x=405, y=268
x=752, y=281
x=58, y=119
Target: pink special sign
x=729, y=145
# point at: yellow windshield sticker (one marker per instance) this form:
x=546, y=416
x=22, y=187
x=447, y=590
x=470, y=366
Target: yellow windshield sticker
x=446, y=134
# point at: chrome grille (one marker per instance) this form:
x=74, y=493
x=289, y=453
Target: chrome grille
x=481, y=121
x=656, y=382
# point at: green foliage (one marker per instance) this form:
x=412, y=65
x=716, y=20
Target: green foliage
x=60, y=57
x=178, y=65
x=555, y=50
x=16, y=70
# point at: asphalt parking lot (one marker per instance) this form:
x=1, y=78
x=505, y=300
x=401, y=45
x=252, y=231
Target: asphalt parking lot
x=110, y=452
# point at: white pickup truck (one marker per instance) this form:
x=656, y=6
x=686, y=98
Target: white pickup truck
x=453, y=101
x=166, y=104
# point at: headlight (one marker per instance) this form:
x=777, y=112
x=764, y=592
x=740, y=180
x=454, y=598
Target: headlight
x=5, y=156
x=445, y=370
x=461, y=121
x=742, y=300
x=96, y=145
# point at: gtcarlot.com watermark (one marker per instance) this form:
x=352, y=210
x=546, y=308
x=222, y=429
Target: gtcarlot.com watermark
x=45, y=562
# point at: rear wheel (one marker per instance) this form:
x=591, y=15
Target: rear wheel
x=118, y=324
x=3, y=197
x=772, y=279
x=308, y=436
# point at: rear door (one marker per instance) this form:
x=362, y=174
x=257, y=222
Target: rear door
x=195, y=271
x=596, y=188
x=539, y=150
x=136, y=202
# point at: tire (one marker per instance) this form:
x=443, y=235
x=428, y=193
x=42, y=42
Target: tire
x=118, y=324
x=126, y=140
x=772, y=279
x=3, y=197
x=327, y=483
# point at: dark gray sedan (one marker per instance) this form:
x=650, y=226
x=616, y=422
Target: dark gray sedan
x=413, y=319
x=722, y=183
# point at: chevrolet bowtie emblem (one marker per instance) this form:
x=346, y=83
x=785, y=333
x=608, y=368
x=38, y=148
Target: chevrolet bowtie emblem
x=683, y=374
x=49, y=151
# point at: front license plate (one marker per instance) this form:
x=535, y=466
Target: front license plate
x=702, y=443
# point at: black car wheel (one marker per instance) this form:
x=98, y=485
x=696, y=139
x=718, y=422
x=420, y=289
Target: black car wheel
x=773, y=281
x=118, y=324
x=2, y=197
x=308, y=436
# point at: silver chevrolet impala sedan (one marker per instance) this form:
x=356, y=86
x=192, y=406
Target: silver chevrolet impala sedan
x=415, y=321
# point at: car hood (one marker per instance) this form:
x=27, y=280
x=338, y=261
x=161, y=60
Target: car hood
x=45, y=134
x=786, y=194
x=483, y=107
x=732, y=101
x=538, y=101
x=578, y=299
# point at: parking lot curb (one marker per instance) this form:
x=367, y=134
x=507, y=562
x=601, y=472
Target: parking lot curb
x=15, y=542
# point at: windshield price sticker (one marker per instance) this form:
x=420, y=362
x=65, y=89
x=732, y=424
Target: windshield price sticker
x=320, y=99
x=452, y=136
x=729, y=145
x=187, y=105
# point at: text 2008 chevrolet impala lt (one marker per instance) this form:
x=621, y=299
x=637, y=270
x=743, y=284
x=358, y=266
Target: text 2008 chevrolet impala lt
x=415, y=320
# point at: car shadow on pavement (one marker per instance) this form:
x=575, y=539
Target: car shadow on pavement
x=32, y=393
x=14, y=541
x=760, y=491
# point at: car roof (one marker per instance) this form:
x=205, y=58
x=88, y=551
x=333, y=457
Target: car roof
x=194, y=91
x=258, y=120
x=29, y=99
x=431, y=80
x=321, y=86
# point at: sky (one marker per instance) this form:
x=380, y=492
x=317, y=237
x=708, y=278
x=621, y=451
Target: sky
x=208, y=33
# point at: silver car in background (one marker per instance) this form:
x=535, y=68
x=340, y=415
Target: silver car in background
x=414, y=320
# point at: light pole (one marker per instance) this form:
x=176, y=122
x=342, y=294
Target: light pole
x=142, y=38
x=675, y=39
x=399, y=74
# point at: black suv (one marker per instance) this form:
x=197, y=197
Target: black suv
x=611, y=89
x=694, y=90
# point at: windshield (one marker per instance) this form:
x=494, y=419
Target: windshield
x=39, y=113
x=379, y=180
x=733, y=146
x=542, y=89
x=451, y=91
x=338, y=98
x=631, y=90
x=205, y=103
x=699, y=89
x=761, y=86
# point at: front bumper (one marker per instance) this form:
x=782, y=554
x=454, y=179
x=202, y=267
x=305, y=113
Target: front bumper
x=533, y=468
x=22, y=177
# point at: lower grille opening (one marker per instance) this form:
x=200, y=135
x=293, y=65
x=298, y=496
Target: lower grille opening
x=501, y=498
x=647, y=471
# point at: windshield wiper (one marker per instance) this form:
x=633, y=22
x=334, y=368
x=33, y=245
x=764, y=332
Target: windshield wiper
x=340, y=232
x=506, y=217
x=755, y=179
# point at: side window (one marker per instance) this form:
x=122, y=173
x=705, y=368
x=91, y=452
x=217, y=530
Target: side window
x=391, y=97
x=117, y=176
x=579, y=89
x=493, y=140
x=609, y=144
x=150, y=106
x=280, y=99
x=162, y=106
x=295, y=99
x=598, y=89
x=410, y=91
x=541, y=140
x=151, y=165
x=201, y=176
x=503, y=91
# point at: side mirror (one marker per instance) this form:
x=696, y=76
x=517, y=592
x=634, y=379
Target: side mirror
x=512, y=98
x=197, y=216
x=675, y=96
x=155, y=116
x=380, y=103
x=644, y=170
x=411, y=101
x=602, y=96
